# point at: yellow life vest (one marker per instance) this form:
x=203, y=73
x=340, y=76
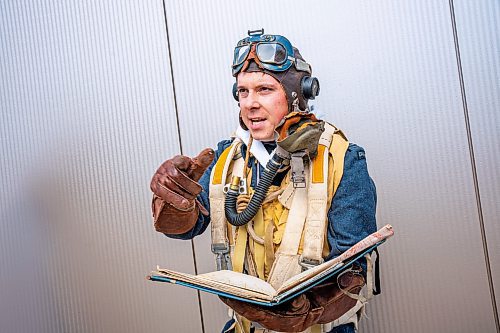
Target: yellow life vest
x=265, y=247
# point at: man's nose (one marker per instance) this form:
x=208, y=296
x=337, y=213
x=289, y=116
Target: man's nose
x=252, y=100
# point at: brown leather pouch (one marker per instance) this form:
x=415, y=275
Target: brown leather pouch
x=322, y=304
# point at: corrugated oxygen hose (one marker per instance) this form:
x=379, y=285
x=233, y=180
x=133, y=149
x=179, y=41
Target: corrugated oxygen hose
x=242, y=218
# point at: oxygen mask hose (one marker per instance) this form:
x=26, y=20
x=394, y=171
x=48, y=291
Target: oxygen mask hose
x=240, y=219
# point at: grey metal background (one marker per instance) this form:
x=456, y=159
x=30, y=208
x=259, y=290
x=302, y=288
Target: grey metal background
x=95, y=95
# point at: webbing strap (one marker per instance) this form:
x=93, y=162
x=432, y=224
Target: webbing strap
x=286, y=262
x=316, y=221
x=295, y=223
x=216, y=197
x=241, y=241
x=315, y=226
x=286, y=197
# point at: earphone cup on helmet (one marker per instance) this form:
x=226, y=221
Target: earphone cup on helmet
x=310, y=87
x=235, y=91
x=242, y=124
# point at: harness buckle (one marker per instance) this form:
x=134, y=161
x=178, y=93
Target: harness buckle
x=307, y=263
x=298, y=173
x=223, y=257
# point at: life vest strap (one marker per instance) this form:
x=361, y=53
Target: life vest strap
x=220, y=242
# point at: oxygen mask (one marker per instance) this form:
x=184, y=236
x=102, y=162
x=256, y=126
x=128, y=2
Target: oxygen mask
x=300, y=132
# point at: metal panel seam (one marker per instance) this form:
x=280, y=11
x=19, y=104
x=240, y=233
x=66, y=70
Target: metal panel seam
x=193, y=249
x=473, y=165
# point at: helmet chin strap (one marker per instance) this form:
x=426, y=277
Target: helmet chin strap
x=295, y=108
x=295, y=104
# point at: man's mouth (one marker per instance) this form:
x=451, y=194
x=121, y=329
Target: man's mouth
x=257, y=120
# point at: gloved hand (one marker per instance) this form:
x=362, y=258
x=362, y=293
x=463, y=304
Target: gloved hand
x=320, y=305
x=175, y=187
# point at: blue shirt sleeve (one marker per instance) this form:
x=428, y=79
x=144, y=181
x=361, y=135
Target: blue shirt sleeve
x=351, y=216
x=203, y=221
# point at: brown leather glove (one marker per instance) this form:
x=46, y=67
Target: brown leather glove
x=175, y=187
x=320, y=305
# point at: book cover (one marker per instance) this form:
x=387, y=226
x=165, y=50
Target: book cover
x=251, y=289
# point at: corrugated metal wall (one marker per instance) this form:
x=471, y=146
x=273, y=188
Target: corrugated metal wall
x=95, y=95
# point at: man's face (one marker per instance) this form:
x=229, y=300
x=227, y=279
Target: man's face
x=263, y=103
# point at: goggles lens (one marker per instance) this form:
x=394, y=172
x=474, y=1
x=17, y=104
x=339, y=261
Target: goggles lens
x=240, y=54
x=271, y=53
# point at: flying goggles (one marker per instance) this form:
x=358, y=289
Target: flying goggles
x=272, y=52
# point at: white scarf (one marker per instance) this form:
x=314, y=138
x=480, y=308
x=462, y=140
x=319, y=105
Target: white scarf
x=257, y=149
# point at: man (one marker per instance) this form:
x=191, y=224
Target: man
x=285, y=193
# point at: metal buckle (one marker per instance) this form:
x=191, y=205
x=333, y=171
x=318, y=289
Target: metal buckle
x=307, y=263
x=298, y=174
x=223, y=258
x=242, y=187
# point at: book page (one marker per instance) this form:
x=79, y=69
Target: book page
x=240, y=280
x=238, y=284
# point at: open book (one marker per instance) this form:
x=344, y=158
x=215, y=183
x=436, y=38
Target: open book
x=251, y=289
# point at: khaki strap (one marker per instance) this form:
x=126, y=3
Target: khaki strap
x=216, y=194
x=286, y=197
x=241, y=240
x=316, y=221
x=286, y=263
x=295, y=223
x=318, y=200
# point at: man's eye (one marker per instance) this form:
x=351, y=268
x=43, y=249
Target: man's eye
x=242, y=92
